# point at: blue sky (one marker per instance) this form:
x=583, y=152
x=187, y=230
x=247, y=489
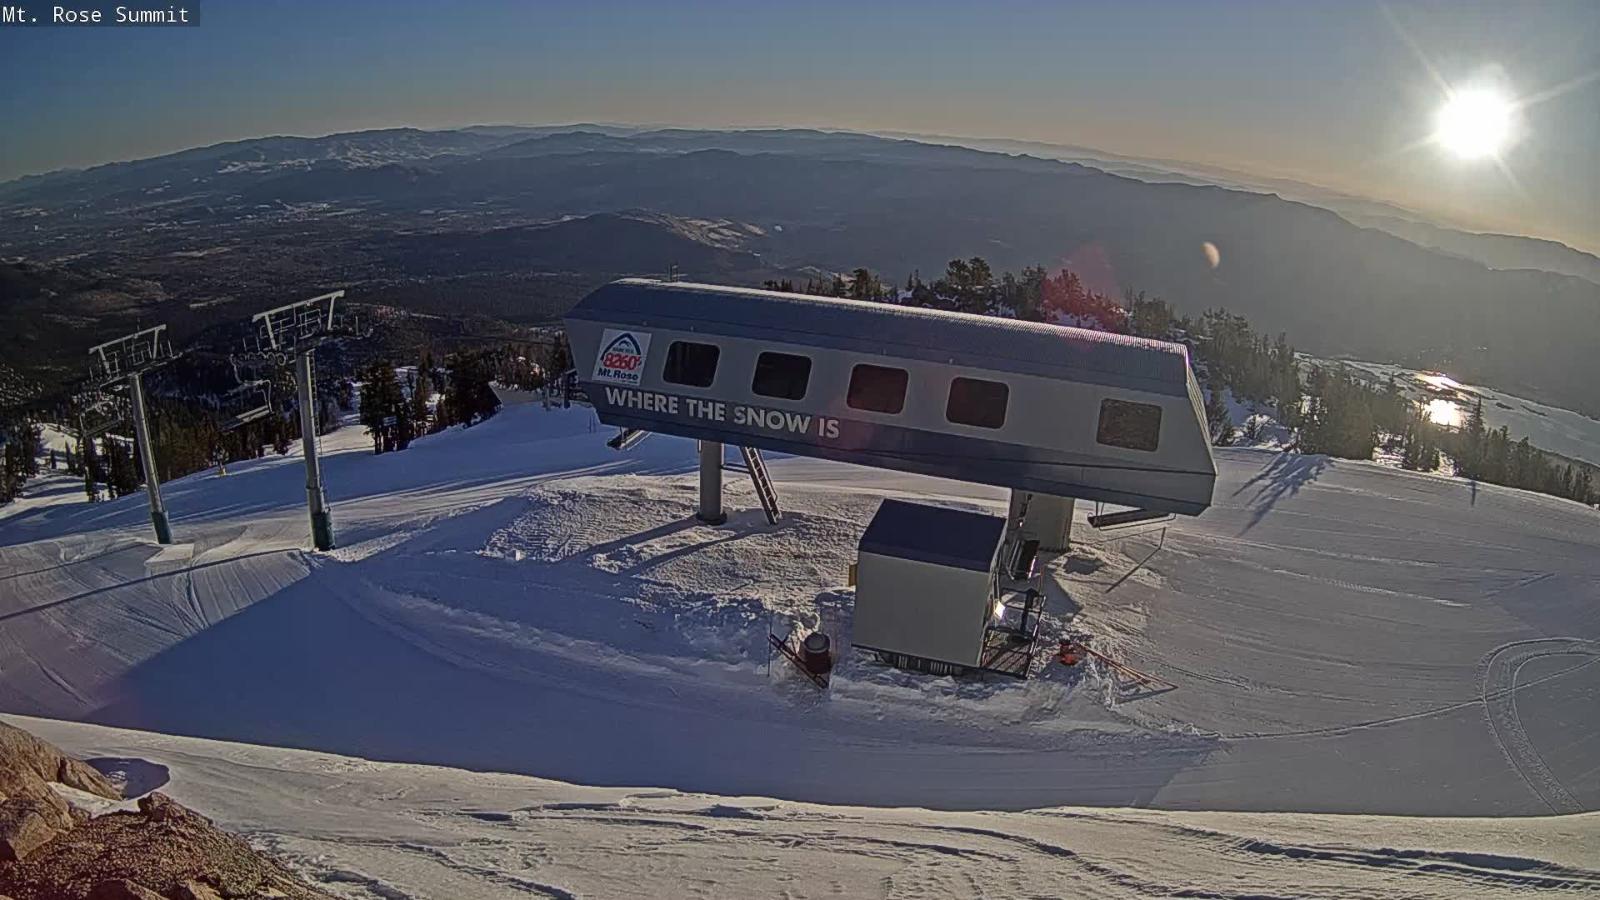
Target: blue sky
x=1327, y=91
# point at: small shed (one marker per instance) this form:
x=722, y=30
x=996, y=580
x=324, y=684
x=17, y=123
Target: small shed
x=924, y=582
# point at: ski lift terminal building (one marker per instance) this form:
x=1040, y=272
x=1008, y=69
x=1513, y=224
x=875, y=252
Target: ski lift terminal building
x=1057, y=411
x=1053, y=413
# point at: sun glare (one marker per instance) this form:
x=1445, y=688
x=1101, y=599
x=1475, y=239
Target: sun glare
x=1444, y=412
x=1474, y=123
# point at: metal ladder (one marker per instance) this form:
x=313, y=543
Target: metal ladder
x=763, y=482
x=627, y=439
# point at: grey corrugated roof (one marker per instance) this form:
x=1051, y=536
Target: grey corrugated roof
x=981, y=341
x=933, y=534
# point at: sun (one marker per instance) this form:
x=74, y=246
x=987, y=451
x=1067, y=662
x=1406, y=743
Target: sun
x=1475, y=123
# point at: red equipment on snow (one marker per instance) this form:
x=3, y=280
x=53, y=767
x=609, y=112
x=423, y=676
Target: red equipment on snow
x=1075, y=647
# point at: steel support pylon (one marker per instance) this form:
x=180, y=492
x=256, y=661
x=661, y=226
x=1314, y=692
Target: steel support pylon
x=147, y=457
x=711, y=484
x=316, y=500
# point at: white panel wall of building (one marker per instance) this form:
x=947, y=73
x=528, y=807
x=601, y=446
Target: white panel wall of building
x=923, y=609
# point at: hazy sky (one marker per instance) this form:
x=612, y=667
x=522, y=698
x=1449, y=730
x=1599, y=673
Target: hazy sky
x=1326, y=91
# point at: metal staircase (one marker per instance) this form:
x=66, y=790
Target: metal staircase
x=763, y=482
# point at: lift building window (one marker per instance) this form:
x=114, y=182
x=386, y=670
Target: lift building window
x=1133, y=426
x=782, y=375
x=877, y=389
x=691, y=364
x=974, y=401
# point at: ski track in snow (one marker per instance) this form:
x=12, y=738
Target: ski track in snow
x=516, y=597
x=1499, y=679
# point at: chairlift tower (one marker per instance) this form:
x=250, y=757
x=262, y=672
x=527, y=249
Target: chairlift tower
x=125, y=361
x=290, y=334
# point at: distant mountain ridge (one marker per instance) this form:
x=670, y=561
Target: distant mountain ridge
x=531, y=217
x=1498, y=251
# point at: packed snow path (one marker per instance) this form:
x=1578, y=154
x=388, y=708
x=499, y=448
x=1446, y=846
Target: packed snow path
x=369, y=830
x=516, y=597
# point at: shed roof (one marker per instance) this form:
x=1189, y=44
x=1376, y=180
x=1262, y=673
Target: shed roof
x=934, y=534
x=999, y=344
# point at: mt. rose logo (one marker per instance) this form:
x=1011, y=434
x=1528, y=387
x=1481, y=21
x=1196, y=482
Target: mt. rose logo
x=621, y=358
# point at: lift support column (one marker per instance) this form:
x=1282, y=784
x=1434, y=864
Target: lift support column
x=316, y=500
x=147, y=456
x=711, y=484
x=1045, y=518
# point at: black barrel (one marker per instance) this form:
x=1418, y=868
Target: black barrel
x=816, y=652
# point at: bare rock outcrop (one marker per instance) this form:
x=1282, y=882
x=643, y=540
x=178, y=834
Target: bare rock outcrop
x=122, y=889
x=164, y=851
x=196, y=890
x=20, y=750
x=31, y=814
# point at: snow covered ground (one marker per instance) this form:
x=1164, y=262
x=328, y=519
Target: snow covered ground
x=361, y=829
x=515, y=597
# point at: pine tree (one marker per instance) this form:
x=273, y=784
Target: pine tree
x=1470, y=462
x=284, y=430
x=1148, y=317
x=1339, y=419
x=110, y=452
x=1410, y=450
x=381, y=401
x=93, y=470
x=1419, y=448
x=421, y=396
x=866, y=286
x=1218, y=418
x=467, y=396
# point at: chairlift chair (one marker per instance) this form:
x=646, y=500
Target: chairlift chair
x=99, y=411
x=246, y=403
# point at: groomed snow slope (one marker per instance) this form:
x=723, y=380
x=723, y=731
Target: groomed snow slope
x=361, y=829
x=516, y=597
